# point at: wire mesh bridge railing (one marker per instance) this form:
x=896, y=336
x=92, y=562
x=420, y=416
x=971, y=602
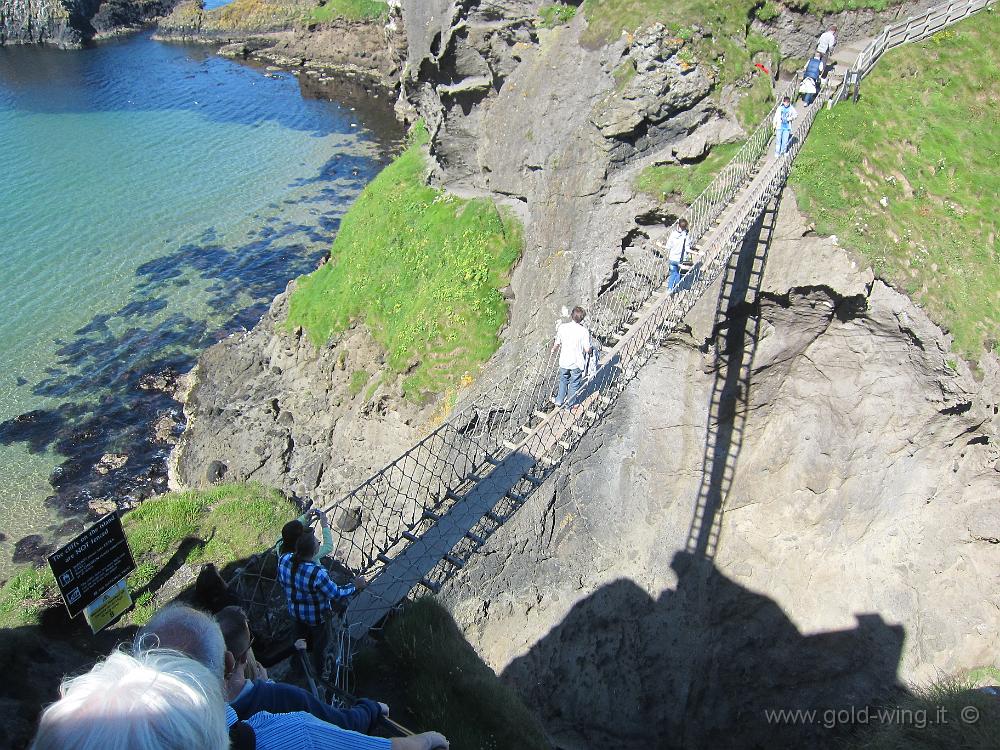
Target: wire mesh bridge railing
x=415, y=522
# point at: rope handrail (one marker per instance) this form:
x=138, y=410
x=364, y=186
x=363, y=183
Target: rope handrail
x=425, y=512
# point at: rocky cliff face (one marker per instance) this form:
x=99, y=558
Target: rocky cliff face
x=535, y=119
x=70, y=23
x=269, y=406
x=39, y=21
x=795, y=505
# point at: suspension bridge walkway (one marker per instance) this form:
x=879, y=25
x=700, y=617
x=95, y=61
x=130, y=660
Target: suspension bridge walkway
x=418, y=520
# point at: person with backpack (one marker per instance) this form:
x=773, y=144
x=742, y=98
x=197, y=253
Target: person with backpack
x=783, y=116
x=808, y=90
x=677, y=247
x=814, y=68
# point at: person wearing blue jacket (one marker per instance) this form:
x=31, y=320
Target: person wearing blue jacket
x=248, y=697
x=814, y=68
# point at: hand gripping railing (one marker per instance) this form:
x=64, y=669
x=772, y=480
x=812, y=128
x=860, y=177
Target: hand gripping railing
x=911, y=29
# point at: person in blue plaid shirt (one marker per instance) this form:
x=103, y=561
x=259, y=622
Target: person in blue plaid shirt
x=310, y=593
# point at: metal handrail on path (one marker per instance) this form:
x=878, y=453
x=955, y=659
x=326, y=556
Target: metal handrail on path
x=415, y=522
x=911, y=29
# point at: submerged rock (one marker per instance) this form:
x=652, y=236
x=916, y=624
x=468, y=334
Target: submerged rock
x=110, y=462
x=32, y=549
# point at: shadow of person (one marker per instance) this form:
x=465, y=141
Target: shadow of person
x=701, y=666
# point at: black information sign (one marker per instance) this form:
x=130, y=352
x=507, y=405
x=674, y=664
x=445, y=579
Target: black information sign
x=92, y=563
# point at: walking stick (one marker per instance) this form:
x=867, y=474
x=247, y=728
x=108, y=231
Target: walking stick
x=395, y=726
x=300, y=649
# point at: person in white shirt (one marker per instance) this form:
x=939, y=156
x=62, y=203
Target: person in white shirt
x=574, y=346
x=677, y=247
x=827, y=41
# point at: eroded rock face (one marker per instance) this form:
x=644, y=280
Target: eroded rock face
x=789, y=508
x=797, y=33
x=270, y=406
x=69, y=23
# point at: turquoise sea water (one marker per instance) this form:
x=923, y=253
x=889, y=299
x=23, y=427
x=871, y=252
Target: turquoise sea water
x=153, y=198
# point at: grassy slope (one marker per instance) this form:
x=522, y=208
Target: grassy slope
x=233, y=521
x=926, y=136
x=937, y=716
x=607, y=18
x=446, y=686
x=422, y=269
x=353, y=10
x=686, y=181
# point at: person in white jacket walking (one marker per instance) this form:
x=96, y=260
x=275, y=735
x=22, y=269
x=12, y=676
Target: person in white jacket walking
x=782, y=121
x=827, y=41
x=677, y=247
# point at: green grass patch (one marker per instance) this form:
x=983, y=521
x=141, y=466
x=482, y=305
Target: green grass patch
x=353, y=10
x=925, y=136
x=623, y=74
x=422, y=269
x=550, y=16
x=726, y=42
x=934, y=717
x=359, y=379
x=685, y=181
x=23, y=596
x=756, y=104
x=230, y=522
x=447, y=686
x=767, y=12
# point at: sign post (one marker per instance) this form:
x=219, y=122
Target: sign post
x=108, y=607
x=92, y=564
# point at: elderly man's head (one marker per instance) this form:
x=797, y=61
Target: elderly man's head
x=189, y=631
x=155, y=700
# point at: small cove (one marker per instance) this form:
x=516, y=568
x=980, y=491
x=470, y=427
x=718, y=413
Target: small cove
x=154, y=199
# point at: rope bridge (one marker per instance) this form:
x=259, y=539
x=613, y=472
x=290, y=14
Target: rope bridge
x=418, y=520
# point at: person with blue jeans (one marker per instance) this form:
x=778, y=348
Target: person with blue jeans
x=782, y=122
x=677, y=247
x=574, y=345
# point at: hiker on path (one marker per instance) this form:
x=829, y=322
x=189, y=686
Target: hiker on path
x=574, y=345
x=677, y=247
x=827, y=41
x=808, y=90
x=814, y=68
x=811, y=78
x=783, y=117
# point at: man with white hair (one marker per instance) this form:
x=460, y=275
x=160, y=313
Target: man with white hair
x=198, y=634
x=827, y=41
x=155, y=700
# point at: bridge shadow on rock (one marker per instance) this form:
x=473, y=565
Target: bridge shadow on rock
x=699, y=666
x=735, y=332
